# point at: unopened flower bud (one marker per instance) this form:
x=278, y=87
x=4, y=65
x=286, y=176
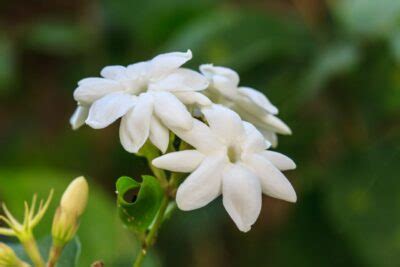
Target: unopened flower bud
x=72, y=206
x=75, y=198
x=9, y=258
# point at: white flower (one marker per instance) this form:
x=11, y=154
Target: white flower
x=250, y=104
x=149, y=96
x=230, y=158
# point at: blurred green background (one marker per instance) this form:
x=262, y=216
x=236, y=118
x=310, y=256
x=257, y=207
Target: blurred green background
x=332, y=67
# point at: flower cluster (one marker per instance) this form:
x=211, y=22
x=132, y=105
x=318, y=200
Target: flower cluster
x=149, y=96
x=229, y=127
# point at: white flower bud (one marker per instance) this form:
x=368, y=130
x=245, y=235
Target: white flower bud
x=75, y=197
x=72, y=206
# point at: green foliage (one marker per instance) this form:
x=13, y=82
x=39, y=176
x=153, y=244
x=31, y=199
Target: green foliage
x=7, y=64
x=56, y=36
x=333, y=60
x=69, y=256
x=138, y=203
x=364, y=200
x=395, y=44
x=368, y=18
x=240, y=40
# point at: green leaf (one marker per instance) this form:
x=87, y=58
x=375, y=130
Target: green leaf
x=69, y=256
x=138, y=203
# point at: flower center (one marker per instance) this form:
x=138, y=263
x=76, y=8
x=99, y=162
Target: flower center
x=234, y=153
x=135, y=87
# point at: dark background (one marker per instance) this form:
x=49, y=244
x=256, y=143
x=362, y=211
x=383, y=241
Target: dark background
x=332, y=68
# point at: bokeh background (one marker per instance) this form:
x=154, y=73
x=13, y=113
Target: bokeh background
x=332, y=67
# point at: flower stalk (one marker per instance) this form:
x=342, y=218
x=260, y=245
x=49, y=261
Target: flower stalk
x=169, y=186
x=150, y=238
x=150, y=152
x=55, y=253
x=31, y=248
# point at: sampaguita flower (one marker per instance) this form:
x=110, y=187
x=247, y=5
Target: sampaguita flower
x=230, y=158
x=149, y=96
x=250, y=104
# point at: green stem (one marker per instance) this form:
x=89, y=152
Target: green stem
x=150, y=153
x=170, y=210
x=169, y=193
x=176, y=177
x=32, y=250
x=158, y=173
x=55, y=253
x=151, y=236
x=139, y=258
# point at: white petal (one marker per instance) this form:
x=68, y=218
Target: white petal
x=257, y=98
x=249, y=111
x=225, y=123
x=108, y=109
x=164, y=64
x=181, y=80
x=138, y=70
x=223, y=86
x=270, y=137
x=171, y=111
x=210, y=71
x=193, y=98
x=79, y=117
x=159, y=135
x=125, y=136
x=182, y=161
x=282, y=162
x=202, y=186
x=276, y=124
x=92, y=89
x=263, y=121
x=89, y=80
x=254, y=141
x=135, y=125
x=201, y=137
x=273, y=182
x=115, y=72
x=242, y=197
